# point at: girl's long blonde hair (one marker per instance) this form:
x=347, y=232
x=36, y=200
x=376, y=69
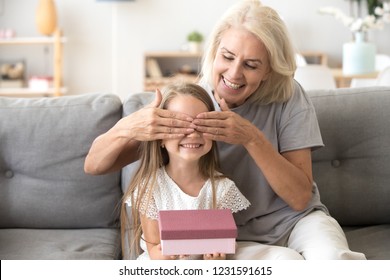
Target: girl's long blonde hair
x=152, y=158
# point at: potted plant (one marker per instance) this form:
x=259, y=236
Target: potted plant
x=195, y=40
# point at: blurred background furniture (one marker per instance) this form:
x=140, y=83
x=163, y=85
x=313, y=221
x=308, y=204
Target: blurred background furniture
x=382, y=61
x=164, y=67
x=300, y=60
x=383, y=77
x=315, y=76
x=311, y=57
x=56, y=42
x=345, y=80
x=315, y=57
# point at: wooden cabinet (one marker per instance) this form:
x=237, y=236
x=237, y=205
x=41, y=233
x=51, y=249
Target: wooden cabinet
x=315, y=57
x=57, y=41
x=164, y=67
x=344, y=80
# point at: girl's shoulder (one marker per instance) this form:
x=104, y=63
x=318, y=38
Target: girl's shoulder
x=230, y=197
x=224, y=183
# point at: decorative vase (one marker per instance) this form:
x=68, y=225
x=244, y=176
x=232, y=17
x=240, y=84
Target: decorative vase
x=195, y=47
x=46, y=17
x=358, y=56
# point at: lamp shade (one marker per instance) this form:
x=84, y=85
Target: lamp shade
x=46, y=17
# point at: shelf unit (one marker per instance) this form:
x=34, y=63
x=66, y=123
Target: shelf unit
x=313, y=57
x=57, y=40
x=163, y=67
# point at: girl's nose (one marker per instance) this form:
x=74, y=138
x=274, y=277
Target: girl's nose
x=194, y=134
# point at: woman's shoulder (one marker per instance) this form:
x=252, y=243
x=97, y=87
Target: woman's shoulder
x=299, y=100
x=300, y=95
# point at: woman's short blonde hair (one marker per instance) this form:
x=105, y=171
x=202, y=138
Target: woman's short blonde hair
x=265, y=24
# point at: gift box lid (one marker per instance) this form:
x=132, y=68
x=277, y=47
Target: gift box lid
x=196, y=224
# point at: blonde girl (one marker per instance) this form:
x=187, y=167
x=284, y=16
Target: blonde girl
x=178, y=173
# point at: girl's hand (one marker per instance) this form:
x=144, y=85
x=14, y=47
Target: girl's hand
x=156, y=254
x=225, y=126
x=215, y=256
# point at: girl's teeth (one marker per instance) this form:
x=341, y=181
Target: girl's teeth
x=191, y=146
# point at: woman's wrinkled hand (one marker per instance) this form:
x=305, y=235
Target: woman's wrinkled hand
x=152, y=123
x=225, y=126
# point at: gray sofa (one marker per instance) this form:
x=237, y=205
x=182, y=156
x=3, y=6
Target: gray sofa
x=353, y=169
x=50, y=209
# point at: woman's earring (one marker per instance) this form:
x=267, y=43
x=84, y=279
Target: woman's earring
x=162, y=146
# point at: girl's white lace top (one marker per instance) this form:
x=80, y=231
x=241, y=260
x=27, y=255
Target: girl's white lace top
x=167, y=195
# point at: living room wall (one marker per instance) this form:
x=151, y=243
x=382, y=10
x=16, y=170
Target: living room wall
x=107, y=40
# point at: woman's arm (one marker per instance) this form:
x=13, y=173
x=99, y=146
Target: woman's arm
x=111, y=151
x=289, y=174
x=118, y=147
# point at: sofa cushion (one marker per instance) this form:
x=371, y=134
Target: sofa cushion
x=352, y=170
x=60, y=244
x=43, y=144
x=373, y=241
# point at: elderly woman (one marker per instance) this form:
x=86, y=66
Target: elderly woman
x=266, y=128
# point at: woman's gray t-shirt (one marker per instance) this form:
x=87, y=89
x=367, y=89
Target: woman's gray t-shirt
x=288, y=126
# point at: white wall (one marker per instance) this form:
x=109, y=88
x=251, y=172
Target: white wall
x=106, y=40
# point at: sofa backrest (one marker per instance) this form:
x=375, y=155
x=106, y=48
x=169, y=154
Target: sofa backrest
x=43, y=145
x=352, y=171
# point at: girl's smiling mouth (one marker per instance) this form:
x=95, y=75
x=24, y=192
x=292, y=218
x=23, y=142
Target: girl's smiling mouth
x=191, y=146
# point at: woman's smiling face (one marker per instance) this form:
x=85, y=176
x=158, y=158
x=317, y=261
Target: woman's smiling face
x=240, y=65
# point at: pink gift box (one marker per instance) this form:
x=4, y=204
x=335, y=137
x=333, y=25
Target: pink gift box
x=193, y=232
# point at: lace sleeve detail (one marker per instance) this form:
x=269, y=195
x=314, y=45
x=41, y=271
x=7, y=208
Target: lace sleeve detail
x=149, y=208
x=148, y=205
x=232, y=198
